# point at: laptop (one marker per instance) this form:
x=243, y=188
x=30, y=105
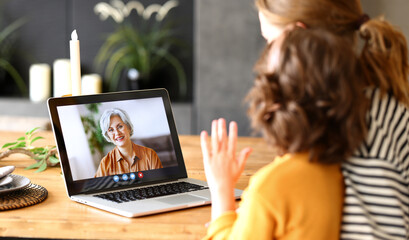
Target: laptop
x=128, y=191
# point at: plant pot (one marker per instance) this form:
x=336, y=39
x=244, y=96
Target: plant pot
x=130, y=80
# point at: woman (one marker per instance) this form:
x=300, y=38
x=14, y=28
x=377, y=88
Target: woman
x=305, y=106
x=126, y=157
x=377, y=176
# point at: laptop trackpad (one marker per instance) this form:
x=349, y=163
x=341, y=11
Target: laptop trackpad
x=181, y=199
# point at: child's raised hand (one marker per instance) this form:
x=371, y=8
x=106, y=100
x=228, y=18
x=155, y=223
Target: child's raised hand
x=222, y=167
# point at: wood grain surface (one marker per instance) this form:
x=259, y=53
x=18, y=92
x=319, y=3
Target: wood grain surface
x=60, y=217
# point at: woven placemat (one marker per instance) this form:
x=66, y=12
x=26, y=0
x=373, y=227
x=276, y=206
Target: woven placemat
x=30, y=195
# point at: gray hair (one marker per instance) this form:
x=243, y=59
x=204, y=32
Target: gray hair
x=105, y=121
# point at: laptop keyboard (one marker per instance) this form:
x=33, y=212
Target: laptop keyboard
x=150, y=192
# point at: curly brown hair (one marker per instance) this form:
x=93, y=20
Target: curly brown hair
x=308, y=96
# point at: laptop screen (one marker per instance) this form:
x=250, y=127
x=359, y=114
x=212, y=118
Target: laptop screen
x=116, y=140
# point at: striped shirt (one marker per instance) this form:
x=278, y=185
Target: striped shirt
x=376, y=178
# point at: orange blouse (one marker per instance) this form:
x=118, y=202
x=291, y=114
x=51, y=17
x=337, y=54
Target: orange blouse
x=113, y=163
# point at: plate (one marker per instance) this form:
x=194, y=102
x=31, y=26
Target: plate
x=6, y=180
x=17, y=183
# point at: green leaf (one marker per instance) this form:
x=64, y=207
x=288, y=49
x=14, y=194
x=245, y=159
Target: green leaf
x=8, y=144
x=179, y=70
x=35, y=139
x=113, y=63
x=53, y=159
x=35, y=165
x=147, y=48
x=39, y=150
x=15, y=75
x=42, y=167
x=113, y=85
x=32, y=130
x=21, y=139
x=19, y=145
x=11, y=28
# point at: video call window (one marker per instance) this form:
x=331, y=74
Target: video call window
x=111, y=138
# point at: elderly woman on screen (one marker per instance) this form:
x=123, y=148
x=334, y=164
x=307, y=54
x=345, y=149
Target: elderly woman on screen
x=127, y=156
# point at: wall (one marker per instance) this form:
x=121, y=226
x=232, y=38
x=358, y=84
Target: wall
x=395, y=11
x=45, y=38
x=227, y=44
x=45, y=35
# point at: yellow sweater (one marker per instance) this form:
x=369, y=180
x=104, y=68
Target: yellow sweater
x=291, y=198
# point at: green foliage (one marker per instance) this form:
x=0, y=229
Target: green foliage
x=41, y=154
x=96, y=141
x=93, y=107
x=147, y=49
x=6, y=51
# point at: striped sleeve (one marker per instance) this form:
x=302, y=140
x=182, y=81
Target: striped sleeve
x=376, y=178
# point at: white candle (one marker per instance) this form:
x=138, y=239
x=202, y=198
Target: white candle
x=40, y=82
x=91, y=84
x=75, y=63
x=62, y=77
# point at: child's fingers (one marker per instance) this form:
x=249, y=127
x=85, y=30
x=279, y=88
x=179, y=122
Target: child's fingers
x=204, y=144
x=214, y=137
x=232, y=138
x=205, y=152
x=222, y=133
x=241, y=161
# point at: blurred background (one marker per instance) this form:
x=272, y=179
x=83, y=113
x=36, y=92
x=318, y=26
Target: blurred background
x=201, y=51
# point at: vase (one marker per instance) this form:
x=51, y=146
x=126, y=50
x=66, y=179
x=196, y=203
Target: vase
x=130, y=80
x=133, y=79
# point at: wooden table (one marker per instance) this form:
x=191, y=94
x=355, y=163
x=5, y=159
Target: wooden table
x=59, y=217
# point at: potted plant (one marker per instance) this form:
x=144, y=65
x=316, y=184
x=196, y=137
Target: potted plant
x=144, y=49
x=6, y=51
x=96, y=141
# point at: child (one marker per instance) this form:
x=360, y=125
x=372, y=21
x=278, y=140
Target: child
x=306, y=101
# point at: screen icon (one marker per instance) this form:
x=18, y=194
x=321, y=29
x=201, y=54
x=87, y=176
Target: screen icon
x=140, y=175
x=132, y=176
x=124, y=177
x=116, y=178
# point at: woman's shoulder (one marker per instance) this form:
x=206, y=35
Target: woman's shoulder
x=387, y=120
x=383, y=103
x=110, y=155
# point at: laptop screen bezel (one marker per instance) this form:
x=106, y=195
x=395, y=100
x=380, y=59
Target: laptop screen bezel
x=78, y=186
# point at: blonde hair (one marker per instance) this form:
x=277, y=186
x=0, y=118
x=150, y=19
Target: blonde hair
x=385, y=53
